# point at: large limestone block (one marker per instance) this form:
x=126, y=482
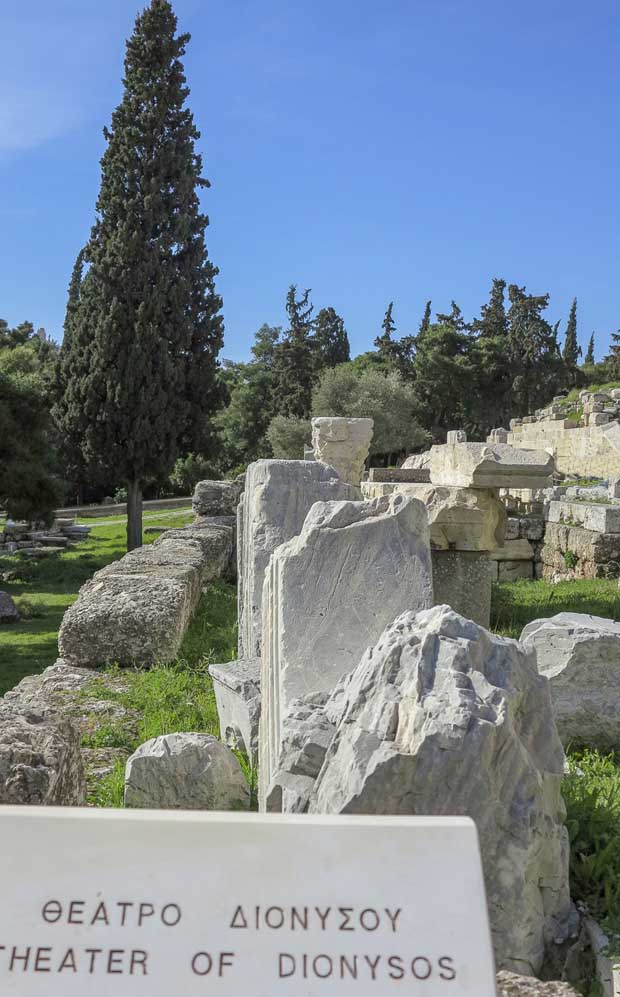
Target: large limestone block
x=463, y=580
x=237, y=693
x=593, y=516
x=343, y=444
x=459, y=518
x=580, y=655
x=513, y=550
x=185, y=772
x=418, y=461
x=490, y=465
x=442, y=717
x=217, y=498
x=8, y=610
x=277, y=499
x=329, y=593
x=126, y=620
x=40, y=758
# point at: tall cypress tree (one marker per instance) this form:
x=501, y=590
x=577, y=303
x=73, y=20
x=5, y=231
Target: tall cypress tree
x=148, y=314
x=294, y=368
x=571, y=346
x=385, y=343
x=330, y=339
x=426, y=319
x=589, y=358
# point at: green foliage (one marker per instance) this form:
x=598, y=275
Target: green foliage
x=110, y=791
x=242, y=425
x=612, y=361
x=188, y=471
x=442, y=375
x=570, y=559
x=30, y=485
x=387, y=399
x=288, y=435
x=592, y=795
x=589, y=357
x=537, y=369
x=139, y=372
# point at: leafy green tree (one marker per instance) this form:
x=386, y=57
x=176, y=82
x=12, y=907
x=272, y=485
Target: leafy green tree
x=589, y=358
x=288, y=435
x=30, y=485
x=492, y=323
x=147, y=328
x=294, y=366
x=265, y=345
x=612, y=360
x=572, y=350
x=386, y=398
x=330, y=339
x=242, y=425
x=188, y=471
x=442, y=376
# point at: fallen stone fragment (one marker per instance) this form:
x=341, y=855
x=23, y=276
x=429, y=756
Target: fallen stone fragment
x=40, y=759
x=580, y=655
x=185, y=771
x=442, y=717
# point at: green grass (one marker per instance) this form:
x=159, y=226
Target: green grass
x=517, y=603
x=45, y=589
x=592, y=795
x=175, y=697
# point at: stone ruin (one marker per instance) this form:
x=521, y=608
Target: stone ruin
x=24, y=540
x=366, y=680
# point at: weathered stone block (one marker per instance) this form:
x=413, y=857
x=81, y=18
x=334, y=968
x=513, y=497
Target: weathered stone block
x=590, y=515
x=398, y=475
x=460, y=518
x=490, y=465
x=580, y=655
x=216, y=498
x=40, y=759
x=8, y=610
x=278, y=496
x=513, y=550
x=512, y=528
x=512, y=571
x=237, y=693
x=462, y=579
x=328, y=594
x=185, y=772
x=343, y=444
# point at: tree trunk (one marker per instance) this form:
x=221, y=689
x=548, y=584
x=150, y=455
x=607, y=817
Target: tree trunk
x=134, y=515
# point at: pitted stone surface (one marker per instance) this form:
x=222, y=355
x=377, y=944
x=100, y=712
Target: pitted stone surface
x=237, y=693
x=40, y=759
x=217, y=498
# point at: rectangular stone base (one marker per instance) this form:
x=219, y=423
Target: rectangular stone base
x=462, y=579
x=237, y=693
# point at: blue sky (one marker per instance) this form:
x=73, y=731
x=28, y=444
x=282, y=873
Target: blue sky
x=401, y=150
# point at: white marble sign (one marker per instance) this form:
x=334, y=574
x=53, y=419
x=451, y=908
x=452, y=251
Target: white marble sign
x=124, y=903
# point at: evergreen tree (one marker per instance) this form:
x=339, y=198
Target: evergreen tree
x=442, y=375
x=612, y=361
x=454, y=318
x=147, y=329
x=386, y=343
x=265, y=345
x=590, y=351
x=492, y=323
x=537, y=370
x=426, y=319
x=487, y=405
x=572, y=350
x=330, y=339
x=294, y=369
